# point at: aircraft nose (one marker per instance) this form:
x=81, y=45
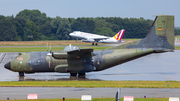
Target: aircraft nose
x=70, y=34
x=8, y=65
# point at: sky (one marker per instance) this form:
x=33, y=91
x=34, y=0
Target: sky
x=147, y=9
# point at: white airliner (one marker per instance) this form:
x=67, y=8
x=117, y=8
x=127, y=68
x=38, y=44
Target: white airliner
x=94, y=38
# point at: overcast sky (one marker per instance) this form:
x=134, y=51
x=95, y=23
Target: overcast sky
x=147, y=9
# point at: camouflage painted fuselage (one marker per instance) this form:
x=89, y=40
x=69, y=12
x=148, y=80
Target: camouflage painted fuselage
x=99, y=60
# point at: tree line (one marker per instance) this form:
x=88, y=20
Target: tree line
x=30, y=25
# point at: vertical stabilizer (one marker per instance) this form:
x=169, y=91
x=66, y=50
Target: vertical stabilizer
x=160, y=36
x=119, y=35
x=164, y=26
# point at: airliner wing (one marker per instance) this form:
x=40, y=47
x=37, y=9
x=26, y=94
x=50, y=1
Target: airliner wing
x=99, y=38
x=96, y=39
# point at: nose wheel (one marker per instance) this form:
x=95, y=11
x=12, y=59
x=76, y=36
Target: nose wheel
x=21, y=74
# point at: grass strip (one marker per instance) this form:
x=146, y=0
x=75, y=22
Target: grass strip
x=50, y=42
x=93, y=84
x=177, y=48
x=36, y=49
x=96, y=99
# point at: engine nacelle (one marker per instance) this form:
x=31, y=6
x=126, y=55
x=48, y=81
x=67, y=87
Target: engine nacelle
x=61, y=68
x=60, y=55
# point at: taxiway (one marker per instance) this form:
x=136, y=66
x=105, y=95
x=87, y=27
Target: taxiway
x=71, y=92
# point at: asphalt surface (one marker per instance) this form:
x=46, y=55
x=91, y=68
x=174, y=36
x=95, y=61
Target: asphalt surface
x=177, y=43
x=71, y=92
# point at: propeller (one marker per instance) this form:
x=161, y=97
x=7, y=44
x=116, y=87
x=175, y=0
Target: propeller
x=47, y=47
x=50, y=48
x=49, y=55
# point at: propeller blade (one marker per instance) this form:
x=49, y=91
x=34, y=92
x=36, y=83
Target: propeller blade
x=50, y=47
x=47, y=47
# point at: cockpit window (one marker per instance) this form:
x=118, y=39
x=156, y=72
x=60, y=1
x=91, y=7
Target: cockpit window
x=15, y=57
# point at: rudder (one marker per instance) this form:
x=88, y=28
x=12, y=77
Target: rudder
x=165, y=27
x=160, y=36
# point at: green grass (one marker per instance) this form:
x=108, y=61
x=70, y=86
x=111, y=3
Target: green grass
x=97, y=99
x=93, y=84
x=177, y=48
x=50, y=42
x=34, y=49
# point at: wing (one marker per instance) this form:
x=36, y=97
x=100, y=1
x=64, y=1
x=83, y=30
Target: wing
x=73, y=54
x=80, y=53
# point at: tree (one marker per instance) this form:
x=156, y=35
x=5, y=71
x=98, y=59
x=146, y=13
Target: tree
x=104, y=31
x=34, y=15
x=46, y=32
x=2, y=17
x=32, y=31
x=83, y=24
x=34, y=25
x=61, y=27
x=20, y=24
x=177, y=31
x=7, y=30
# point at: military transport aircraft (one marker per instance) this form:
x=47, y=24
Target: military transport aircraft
x=74, y=60
x=94, y=38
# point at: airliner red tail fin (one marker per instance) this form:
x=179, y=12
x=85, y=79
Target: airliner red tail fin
x=119, y=35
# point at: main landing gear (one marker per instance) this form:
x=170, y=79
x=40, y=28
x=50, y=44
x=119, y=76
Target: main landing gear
x=21, y=74
x=81, y=75
x=95, y=44
x=73, y=74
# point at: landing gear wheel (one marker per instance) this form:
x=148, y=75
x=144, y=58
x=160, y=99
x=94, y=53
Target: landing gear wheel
x=93, y=44
x=82, y=75
x=21, y=74
x=73, y=74
x=96, y=44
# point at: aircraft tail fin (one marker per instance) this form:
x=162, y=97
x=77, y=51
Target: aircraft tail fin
x=159, y=38
x=161, y=35
x=119, y=35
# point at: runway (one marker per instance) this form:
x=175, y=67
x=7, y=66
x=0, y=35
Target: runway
x=156, y=66
x=71, y=92
x=177, y=43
